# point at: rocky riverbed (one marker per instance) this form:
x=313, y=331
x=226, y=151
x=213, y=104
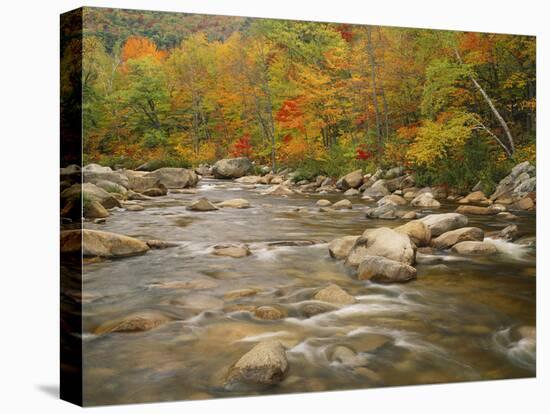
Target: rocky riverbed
x=239, y=286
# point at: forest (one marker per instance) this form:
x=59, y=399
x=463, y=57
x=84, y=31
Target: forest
x=320, y=98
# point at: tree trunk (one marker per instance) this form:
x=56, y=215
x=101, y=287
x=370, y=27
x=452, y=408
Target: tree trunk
x=500, y=119
x=372, y=61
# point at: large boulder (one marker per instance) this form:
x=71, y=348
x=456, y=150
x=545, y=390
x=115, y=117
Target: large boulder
x=450, y=238
x=139, y=180
x=417, y=231
x=334, y=294
x=383, y=270
x=526, y=203
x=89, y=192
x=474, y=248
x=375, y=192
x=339, y=248
x=113, y=176
x=393, y=172
x=265, y=364
x=441, y=223
x=174, y=177
x=232, y=167
x=383, y=242
x=520, y=173
x=352, y=180
x=111, y=187
x=477, y=210
x=425, y=200
x=97, y=243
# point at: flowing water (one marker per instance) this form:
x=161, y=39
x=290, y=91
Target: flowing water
x=454, y=323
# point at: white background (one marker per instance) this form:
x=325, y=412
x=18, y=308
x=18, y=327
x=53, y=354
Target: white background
x=29, y=141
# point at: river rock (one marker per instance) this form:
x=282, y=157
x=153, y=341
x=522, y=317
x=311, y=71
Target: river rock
x=265, y=364
x=385, y=212
x=94, y=209
x=240, y=293
x=314, y=307
x=409, y=215
x=525, y=203
x=476, y=210
x=519, y=174
x=474, y=248
x=158, y=191
x=525, y=187
x=393, y=172
x=278, y=190
x=340, y=248
x=334, y=294
x=250, y=179
x=89, y=192
x=450, y=238
x=111, y=187
x=392, y=199
x=374, y=193
x=441, y=223
x=509, y=233
x=231, y=250
x=174, y=177
x=347, y=357
x=232, y=167
x=383, y=242
x=202, y=204
x=351, y=192
x=96, y=168
x=476, y=197
x=160, y=244
x=425, y=200
x=136, y=322
x=418, y=232
x=383, y=270
x=352, y=180
x=342, y=205
x=133, y=207
x=505, y=215
x=269, y=313
x=100, y=244
x=235, y=203
x=323, y=203
x=112, y=176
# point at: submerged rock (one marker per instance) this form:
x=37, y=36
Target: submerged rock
x=334, y=294
x=269, y=313
x=100, y=243
x=235, y=203
x=232, y=250
x=265, y=364
x=136, y=322
x=383, y=270
x=240, y=293
x=312, y=308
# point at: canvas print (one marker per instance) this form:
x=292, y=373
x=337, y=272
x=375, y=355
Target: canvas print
x=259, y=206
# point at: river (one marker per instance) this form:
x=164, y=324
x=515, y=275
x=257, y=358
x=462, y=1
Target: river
x=454, y=323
